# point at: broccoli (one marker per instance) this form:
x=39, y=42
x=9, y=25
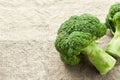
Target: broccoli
x=78, y=35
x=113, y=22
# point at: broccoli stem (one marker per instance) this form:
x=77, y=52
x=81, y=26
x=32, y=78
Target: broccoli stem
x=99, y=58
x=113, y=47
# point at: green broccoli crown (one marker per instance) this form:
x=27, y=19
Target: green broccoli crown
x=77, y=33
x=115, y=8
x=86, y=23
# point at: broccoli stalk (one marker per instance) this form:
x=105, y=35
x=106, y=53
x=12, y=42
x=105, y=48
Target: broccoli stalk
x=99, y=58
x=113, y=47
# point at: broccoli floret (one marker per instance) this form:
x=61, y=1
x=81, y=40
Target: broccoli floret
x=113, y=21
x=78, y=35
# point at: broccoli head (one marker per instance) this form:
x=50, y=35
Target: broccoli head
x=109, y=19
x=78, y=35
x=113, y=22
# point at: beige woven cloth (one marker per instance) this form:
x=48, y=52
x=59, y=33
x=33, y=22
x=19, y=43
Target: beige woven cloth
x=27, y=32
